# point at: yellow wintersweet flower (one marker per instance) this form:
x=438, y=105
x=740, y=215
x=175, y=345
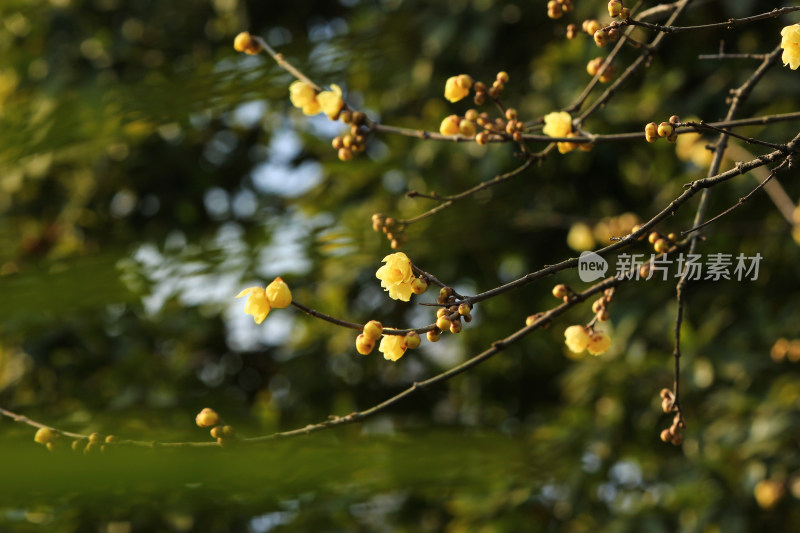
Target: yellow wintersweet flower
x=331, y=102
x=278, y=294
x=393, y=347
x=396, y=276
x=790, y=42
x=244, y=42
x=557, y=124
x=457, y=87
x=576, y=338
x=304, y=97
x=598, y=343
x=257, y=304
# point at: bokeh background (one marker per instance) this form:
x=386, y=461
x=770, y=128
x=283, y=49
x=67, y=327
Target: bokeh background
x=148, y=173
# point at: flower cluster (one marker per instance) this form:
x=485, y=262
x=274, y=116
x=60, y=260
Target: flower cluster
x=393, y=347
x=653, y=131
x=305, y=97
x=580, y=338
x=260, y=301
x=208, y=418
x=790, y=42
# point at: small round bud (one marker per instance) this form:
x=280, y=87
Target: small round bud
x=446, y=293
x=464, y=309
x=204, y=419
x=412, y=340
x=664, y=393
x=455, y=326
x=364, y=345
x=614, y=8
x=373, y=330
x=674, y=119
x=603, y=315
x=502, y=76
x=482, y=138
x=216, y=432
x=560, y=291
x=554, y=10
x=228, y=431
x=464, y=81
x=480, y=98
x=665, y=129
x=644, y=271
x=419, y=286
x=593, y=66
x=677, y=439
x=600, y=37
x=111, y=439
x=666, y=435
x=345, y=154
x=359, y=118
x=598, y=305
x=613, y=35
x=651, y=132
x=96, y=438
x=346, y=116
x=443, y=323
x=471, y=114
x=494, y=92
x=337, y=143
x=466, y=128
x=517, y=137
x=511, y=113
x=347, y=141
x=653, y=237
x=244, y=42
x=434, y=335
x=661, y=246
x=530, y=319
x=45, y=435
x=625, y=13
x=572, y=31
x=672, y=237
x=591, y=26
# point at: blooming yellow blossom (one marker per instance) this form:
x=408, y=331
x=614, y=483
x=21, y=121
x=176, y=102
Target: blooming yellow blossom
x=278, y=294
x=257, y=304
x=457, y=87
x=331, y=102
x=576, y=338
x=304, y=97
x=396, y=276
x=393, y=347
x=557, y=124
x=790, y=42
x=598, y=343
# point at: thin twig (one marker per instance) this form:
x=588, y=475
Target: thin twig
x=729, y=24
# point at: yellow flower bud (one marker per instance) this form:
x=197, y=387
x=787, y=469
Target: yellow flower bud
x=454, y=89
x=45, y=435
x=393, y=347
x=434, y=336
x=665, y=129
x=614, y=8
x=419, y=286
x=450, y=125
x=560, y=291
x=244, y=42
x=466, y=128
x=278, y=294
x=204, y=419
x=661, y=246
x=364, y=345
x=600, y=38
x=373, y=330
x=443, y=323
x=412, y=340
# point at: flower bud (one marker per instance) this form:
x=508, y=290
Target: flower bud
x=661, y=246
x=601, y=37
x=450, y=125
x=419, y=286
x=665, y=129
x=364, y=345
x=482, y=138
x=614, y=8
x=434, y=335
x=591, y=26
x=45, y=435
x=345, y=154
x=204, y=419
x=412, y=340
x=560, y=291
x=373, y=330
x=278, y=294
x=466, y=128
x=443, y=323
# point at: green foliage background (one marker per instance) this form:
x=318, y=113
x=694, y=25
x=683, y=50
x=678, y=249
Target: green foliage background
x=148, y=173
